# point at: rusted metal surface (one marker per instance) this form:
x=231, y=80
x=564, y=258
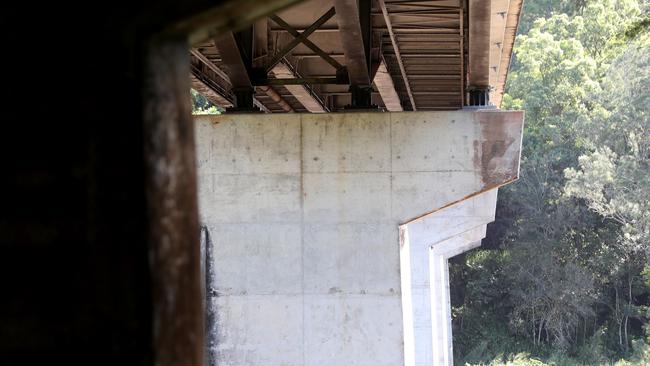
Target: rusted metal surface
x=276, y=98
x=303, y=94
x=205, y=61
x=209, y=80
x=262, y=100
x=352, y=42
x=233, y=61
x=236, y=53
x=479, y=43
x=512, y=22
x=301, y=81
x=173, y=232
x=214, y=84
x=498, y=18
x=461, y=28
x=425, y=44
x=386, y=87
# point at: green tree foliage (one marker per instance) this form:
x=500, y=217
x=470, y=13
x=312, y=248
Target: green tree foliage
x=565, y=277
x=614, y=176
x=200, y=105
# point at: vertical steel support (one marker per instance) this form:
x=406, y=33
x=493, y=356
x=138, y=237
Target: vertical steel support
x=355, y=28
x=365, y=20
x=243, y=99
x=479, y=52
x=361, y=95
x=479, y=96
x=236, y=51
x=244, y=95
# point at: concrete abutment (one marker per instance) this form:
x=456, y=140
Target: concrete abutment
x=331, y=233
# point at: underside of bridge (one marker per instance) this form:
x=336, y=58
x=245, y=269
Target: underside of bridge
x=329, y=55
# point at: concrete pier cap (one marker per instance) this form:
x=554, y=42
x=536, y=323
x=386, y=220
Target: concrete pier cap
x=331, y=232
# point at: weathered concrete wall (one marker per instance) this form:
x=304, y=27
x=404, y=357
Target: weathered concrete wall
x=304, y=212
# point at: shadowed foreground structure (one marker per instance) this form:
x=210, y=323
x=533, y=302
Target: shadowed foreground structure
x=83, y=92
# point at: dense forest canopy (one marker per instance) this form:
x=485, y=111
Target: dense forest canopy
x=564, y=275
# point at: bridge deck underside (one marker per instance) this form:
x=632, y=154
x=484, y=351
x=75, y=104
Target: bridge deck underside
x=422, y=45
x=428, y=34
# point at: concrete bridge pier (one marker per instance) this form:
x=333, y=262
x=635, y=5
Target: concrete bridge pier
x=425, y=248
x=330, y=233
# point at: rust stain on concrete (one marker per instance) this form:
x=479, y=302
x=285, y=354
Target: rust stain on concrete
x=497, y=153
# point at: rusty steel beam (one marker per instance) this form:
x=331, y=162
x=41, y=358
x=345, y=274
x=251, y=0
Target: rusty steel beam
x=231, y=56
x=238, y=61
x=260, y=47
x=261, y=106
x=277, y=98
x=314, y=55
x=386, y=87
x=356, y=61
x=461, y=31
x=302, y=81
x=302, y=29
x=423, y=55
x=512, y=22
x=436, y=30
x=302, y=93
x=210, y=64
x=204, y=85
x=398, y=55
x=219, y=85
x=479, y=44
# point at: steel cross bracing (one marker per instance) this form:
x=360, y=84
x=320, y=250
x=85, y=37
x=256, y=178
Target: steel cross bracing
x=302, y=38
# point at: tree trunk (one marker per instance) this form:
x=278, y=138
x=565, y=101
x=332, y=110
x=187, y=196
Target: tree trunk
x=625, y=335
x=629, y=307
x=533, y=321
x=620, y=334
x=619, y=319
x=595, y=324
x=547, y=339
